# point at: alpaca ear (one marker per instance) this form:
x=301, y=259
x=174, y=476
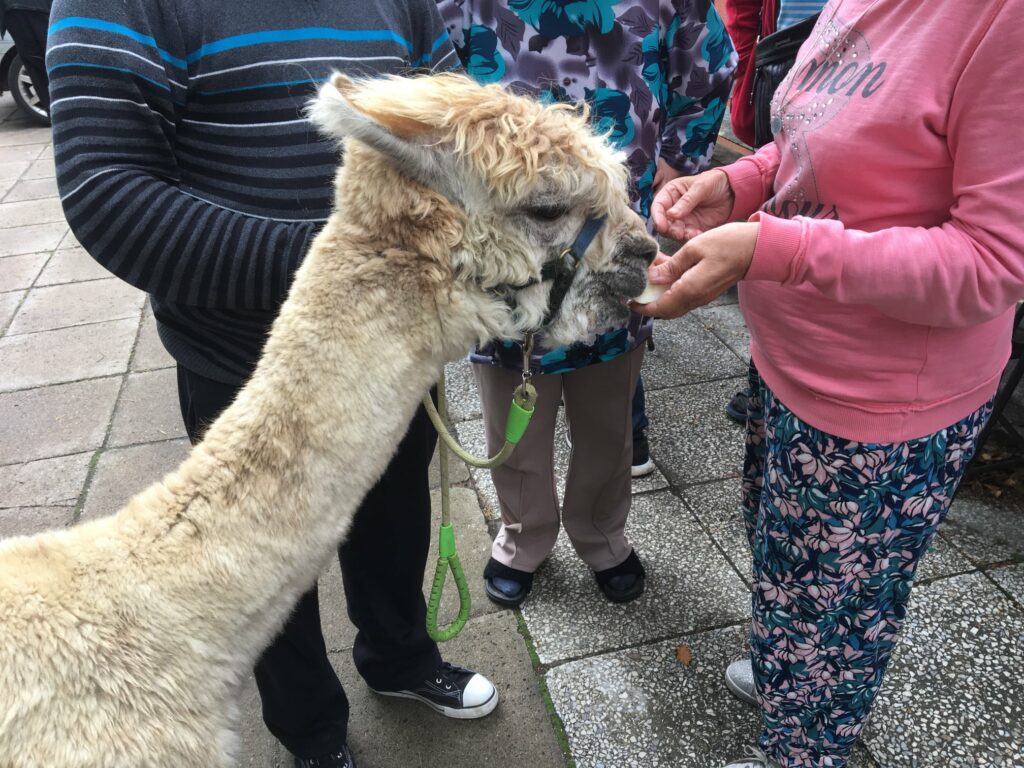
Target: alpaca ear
x=339, y=111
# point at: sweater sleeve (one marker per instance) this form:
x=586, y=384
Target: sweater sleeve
x=968, y=270
x=699, y=62
x=752, y=179
x=433, y=49
x=118, y=81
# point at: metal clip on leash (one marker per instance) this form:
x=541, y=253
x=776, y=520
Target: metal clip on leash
x=523, y=400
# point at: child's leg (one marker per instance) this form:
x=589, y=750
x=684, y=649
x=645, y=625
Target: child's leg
x=838, y=534
x=526, y=482
x=599, y=486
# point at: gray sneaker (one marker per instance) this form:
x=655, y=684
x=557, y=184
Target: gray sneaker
x=739, y=679
x=757, y=759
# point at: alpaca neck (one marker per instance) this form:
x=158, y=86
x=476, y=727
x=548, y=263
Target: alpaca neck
x=354, y=350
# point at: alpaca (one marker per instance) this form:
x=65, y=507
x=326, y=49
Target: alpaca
x=123, y=641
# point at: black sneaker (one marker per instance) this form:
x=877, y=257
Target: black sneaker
x=736, y=408
x=642, y=464
x=454, y=692
x=342, y=759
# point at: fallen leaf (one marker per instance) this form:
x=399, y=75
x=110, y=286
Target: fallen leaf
x=684, y=655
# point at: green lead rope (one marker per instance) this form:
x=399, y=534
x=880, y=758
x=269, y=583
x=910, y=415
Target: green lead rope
x=520, y=411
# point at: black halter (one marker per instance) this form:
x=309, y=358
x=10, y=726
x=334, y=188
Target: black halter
x=561, y=270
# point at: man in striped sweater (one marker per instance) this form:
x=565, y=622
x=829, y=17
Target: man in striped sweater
x=186, y=167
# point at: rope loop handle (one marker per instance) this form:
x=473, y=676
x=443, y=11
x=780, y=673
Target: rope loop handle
x=448, y=559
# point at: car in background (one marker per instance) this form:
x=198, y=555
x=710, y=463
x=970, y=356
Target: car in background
x=15, y=79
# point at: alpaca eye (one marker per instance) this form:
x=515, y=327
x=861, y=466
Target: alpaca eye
x=546, y=212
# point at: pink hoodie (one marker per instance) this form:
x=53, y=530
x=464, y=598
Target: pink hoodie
x=891, y=251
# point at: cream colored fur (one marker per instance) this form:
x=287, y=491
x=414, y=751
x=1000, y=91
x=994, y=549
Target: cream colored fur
x=123, y=641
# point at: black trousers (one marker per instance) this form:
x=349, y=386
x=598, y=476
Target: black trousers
x=28, y=31
x=382, y=564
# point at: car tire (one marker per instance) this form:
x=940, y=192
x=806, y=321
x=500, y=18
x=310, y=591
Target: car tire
x=24, y=93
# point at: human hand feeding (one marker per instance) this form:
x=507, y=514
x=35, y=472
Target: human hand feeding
x=689, y=205
x=704, y=268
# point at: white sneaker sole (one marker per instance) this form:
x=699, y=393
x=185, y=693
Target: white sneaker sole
x=461, y=713
x=642, y=470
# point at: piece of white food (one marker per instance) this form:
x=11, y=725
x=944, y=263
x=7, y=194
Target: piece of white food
x=651, y=293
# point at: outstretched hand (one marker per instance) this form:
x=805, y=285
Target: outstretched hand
x=703, y=269
x=690, y=205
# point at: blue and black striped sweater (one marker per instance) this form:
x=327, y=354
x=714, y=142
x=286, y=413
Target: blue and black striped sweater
x=184, y=161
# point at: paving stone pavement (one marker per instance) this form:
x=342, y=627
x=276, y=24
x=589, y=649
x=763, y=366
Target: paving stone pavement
x=88, y=416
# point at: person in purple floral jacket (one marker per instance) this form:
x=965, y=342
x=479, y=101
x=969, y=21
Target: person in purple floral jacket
x=656, y=75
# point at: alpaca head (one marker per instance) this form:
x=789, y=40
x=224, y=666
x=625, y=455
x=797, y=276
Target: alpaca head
x=521, y=181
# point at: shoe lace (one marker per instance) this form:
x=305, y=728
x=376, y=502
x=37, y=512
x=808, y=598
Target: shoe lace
x=445, y=674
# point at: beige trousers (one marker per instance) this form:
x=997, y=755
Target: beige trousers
x=598, y=489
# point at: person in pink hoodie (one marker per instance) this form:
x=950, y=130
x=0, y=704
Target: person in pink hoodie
x=879, y=251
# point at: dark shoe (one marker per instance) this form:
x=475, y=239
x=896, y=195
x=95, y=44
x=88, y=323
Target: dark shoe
x=736, y=408
x=642, y=464
x=625, y=581
x=506, y=586
x=454, y=692
x=342, y=759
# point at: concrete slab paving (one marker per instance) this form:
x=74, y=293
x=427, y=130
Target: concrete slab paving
x=461, y=392
x=1010, y=578
x=25, y=521
x=45, y=482
x=642, y=708
x=393, y=733
x=985, y=529
x=690, y=586
x=31, y=212
x=41, y=169
x=11, y=172
x=149, y=351
x=32, y=189
x=71, y=265
x=687, y=353
x=66, y=354
x=148, y=410
x=18, y=272
x=726, y=322
x=61, y=306
x=692, y=438
x=13, y=135
x=31, y=239
x=9, y=303
x=123, y=472
x=21, y=153
x=56, y=420
x=952, y=693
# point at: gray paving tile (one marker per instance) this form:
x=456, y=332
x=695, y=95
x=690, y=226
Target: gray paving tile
x=67, y=354
x=148, y=410
x=25, y=521
x=149, y=350
x=461, y=391
x=31, y=212
x=5, y=186
x=641, y=708
x=46, y=482
x=69, y=241
x=71, y=265
x=1011, y=578
x=123, y=472
x=21, y=153
x=34, y=189
x=47, y=151
x=689, y=587
x=61, y=306
x=687, y=353
x=726, y=322
x=690, y=435
x=19, y=136
x=41, y=169
x=31, y=239
x=952, y=693
x=458, y=472
x=57, y=420
x=393, y=733
x=8, y=306
x=12, y=171
x=19, y=272
x=985, y=529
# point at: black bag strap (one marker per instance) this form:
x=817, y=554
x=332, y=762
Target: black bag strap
x=783, y=45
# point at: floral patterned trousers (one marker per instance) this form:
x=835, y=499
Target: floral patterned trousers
x=837, y=529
